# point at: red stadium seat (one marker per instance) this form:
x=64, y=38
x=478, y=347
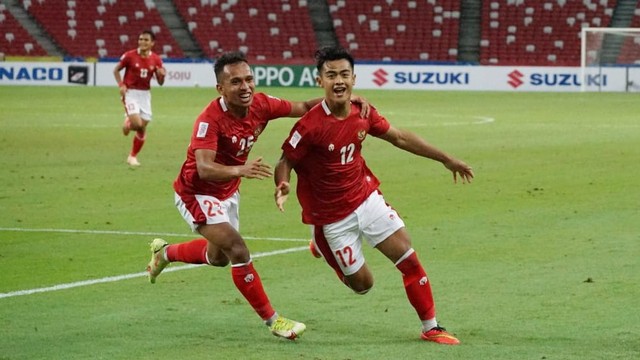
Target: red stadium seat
x=117, y=23
x=398, y=30
x=630, y=51
x=512, y=32
x=538, y=33
x=263, y=30
x=15, y=40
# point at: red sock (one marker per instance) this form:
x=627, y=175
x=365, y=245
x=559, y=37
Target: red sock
x=191, y=252
x=248, y=282
x=138, y=142
x=417, y=286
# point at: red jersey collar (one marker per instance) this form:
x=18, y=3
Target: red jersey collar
x=223, y=105
x=148, y=54
x=326, y=107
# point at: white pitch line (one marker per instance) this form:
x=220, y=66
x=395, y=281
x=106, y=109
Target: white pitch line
x=474, y=119
x=116, y=232
x=130, y=276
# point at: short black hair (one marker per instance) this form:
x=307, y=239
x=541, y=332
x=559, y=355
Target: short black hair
x=228, y=58
x=331, y=53
x=150, y=33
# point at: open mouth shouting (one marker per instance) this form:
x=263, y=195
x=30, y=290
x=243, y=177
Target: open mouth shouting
x=339, y=91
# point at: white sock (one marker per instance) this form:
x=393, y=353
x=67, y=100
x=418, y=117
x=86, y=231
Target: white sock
x=429, y=324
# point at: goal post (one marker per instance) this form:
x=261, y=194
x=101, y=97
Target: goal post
x=610, y=47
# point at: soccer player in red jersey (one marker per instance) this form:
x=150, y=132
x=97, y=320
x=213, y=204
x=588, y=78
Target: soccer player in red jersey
x=140, y=66
x=206, y=190
x=339, y=195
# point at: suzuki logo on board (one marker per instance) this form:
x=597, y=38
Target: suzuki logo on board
x=515, y=79
x=380, y=77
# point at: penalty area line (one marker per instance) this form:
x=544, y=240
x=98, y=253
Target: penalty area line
x=131, y=276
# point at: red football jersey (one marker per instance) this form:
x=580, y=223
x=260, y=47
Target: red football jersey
x=139, y=70
x=333, y=178
x=216, y=129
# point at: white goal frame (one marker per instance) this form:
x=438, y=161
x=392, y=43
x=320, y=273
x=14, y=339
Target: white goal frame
x=583, y=47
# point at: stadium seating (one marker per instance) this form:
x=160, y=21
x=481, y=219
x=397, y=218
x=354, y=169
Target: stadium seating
x=538, y=33
x=14, y=39
x=102, y=28
x=267, y=31
x=512, y=32
x=630, y=51
x=398, y=30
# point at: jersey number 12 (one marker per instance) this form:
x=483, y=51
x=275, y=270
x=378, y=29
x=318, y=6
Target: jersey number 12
x=346, y=153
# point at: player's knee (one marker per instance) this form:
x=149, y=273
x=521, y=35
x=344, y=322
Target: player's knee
x=361, y=287
x=219, y=262
x=136, y=122
x=361, y=292
x=217, y=258
x=237, y=252
x=361, y=281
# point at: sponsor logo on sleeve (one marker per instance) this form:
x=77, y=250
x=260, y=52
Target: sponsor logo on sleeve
x=295, y=139
x=202, y=129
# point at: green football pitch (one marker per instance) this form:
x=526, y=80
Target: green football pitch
x=538, y=258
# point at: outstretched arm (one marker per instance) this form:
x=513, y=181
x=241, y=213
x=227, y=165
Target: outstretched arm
x=412, y=143
x=299, y=108
x=281, y=178
x=210, y=170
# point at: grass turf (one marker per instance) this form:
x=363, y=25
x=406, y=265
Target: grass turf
x=536, y=259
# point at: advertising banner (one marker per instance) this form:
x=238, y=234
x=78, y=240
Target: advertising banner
x=276, y=75
x=46, y=73
x=491, y=78
x=369, y=76
x=178, y=74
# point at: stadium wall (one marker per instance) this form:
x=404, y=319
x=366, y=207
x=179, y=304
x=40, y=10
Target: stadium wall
x=370, y=76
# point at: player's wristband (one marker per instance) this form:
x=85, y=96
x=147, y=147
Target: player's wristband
x=120, y=84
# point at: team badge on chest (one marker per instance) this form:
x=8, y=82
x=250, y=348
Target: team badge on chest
x=361, y=135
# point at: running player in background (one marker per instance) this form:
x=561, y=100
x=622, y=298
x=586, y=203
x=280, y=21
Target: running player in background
x=340, y=197
x=140, y=65
x=207, y=188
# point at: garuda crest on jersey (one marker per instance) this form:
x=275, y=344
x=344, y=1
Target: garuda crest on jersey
x=361, y=135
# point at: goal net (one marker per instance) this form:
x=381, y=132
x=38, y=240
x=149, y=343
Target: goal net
x=604, y=48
